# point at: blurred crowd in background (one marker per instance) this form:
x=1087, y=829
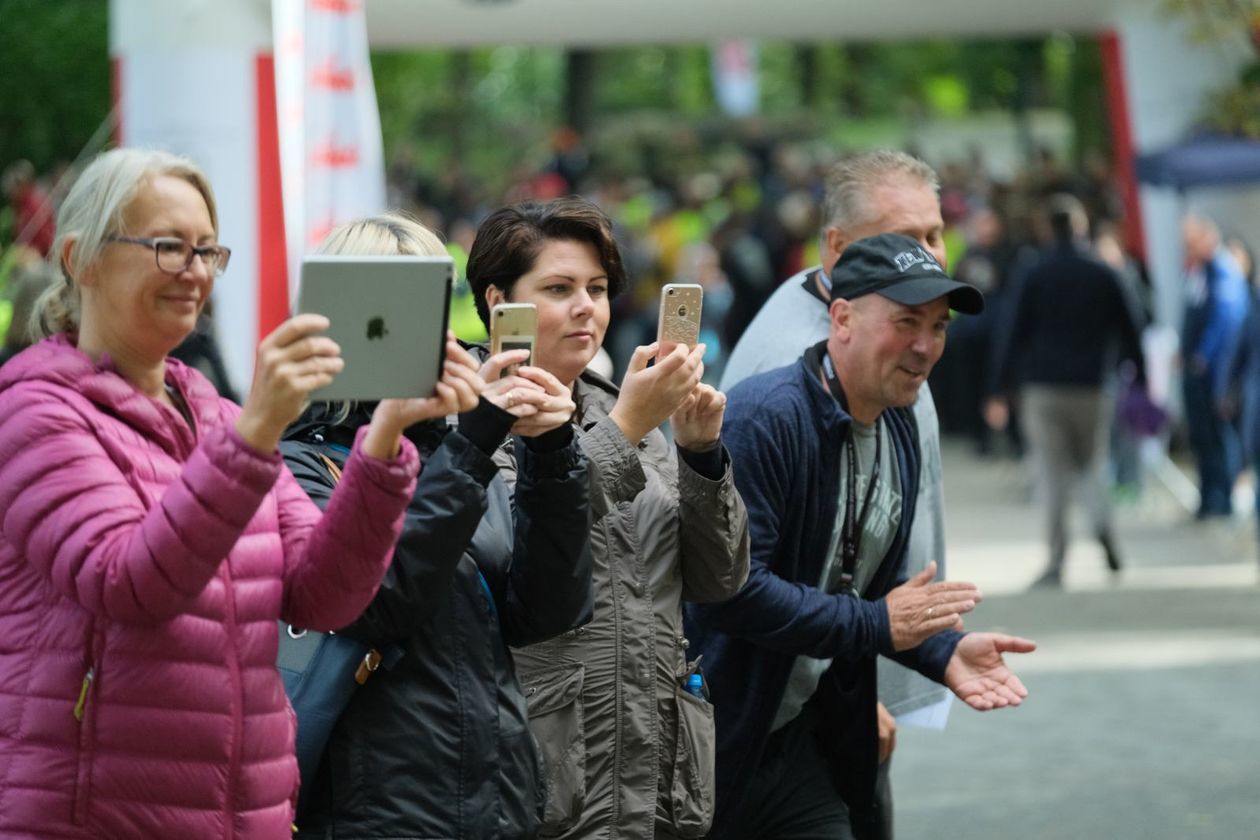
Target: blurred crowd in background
x=740, y=220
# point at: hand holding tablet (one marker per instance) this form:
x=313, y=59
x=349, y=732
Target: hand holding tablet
x=389, y=317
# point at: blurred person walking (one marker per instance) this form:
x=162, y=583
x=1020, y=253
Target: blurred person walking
x=1072, y=321
x=152, y=537
x=437, y=744
x=825, y=454
x=1217, y=300
x=988, y=264
x=881, y=191
x=1126, y=441
x=1239, y=388
x=626, y=732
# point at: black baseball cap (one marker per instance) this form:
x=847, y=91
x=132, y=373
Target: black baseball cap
x=897, y=267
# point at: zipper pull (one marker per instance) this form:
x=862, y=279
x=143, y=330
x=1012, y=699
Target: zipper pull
x=371, y=661
x=83, y=694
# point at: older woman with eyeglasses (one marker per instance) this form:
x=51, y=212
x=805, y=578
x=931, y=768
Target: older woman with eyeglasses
x=151, y=536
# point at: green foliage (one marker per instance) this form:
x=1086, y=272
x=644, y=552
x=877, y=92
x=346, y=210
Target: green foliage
x=488, y=108
x=54, y=78
x=946, y=95
x=632, y=78
x=1086, y=105
x=1234, y=109
x=1213, y=20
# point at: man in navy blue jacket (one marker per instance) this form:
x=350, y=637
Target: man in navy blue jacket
x=1071, y=323
x=826, y=460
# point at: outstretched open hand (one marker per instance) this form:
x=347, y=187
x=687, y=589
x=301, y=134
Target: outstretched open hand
x=978, y=674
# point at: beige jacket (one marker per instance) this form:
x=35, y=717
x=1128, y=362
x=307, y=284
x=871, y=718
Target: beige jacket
x=605, y=699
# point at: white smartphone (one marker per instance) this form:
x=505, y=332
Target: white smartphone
x=679, y=321
x=514, y=326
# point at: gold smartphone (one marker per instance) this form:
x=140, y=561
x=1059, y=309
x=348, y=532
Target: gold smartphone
x=679, y=321
x=514, y=326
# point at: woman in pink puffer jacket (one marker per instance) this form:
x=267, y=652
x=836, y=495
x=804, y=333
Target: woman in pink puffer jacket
x=150, y=536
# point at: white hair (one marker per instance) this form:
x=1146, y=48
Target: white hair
x=846, y=204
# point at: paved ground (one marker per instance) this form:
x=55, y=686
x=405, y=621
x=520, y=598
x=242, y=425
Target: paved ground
x=1144, y=714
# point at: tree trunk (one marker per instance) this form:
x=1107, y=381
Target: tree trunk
x=806, y=56
x=579, y=89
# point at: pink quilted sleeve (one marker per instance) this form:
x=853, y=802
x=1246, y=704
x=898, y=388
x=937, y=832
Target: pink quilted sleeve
x=334, y=564
x=71, y=513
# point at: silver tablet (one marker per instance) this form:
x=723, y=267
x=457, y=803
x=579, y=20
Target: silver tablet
x=388, y=315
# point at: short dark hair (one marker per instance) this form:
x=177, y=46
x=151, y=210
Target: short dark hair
x=509, y=240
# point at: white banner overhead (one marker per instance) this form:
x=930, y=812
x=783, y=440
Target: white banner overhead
x=737, y=77
x=331, y=159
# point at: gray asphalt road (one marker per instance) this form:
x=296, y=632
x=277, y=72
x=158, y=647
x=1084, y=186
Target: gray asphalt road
x=1143, y=719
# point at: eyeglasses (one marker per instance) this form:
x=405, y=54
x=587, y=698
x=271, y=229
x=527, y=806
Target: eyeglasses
x=174, y=255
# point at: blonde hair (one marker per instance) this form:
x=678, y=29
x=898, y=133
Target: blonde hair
x=386, y=235
x=93, y=211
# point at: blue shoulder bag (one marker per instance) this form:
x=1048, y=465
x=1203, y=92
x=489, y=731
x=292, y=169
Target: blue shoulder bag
x=320, y=673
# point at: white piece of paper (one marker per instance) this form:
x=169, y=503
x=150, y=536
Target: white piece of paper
x=934, y=716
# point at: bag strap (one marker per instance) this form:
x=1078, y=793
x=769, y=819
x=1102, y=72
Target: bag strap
x=333, y=469
x=373, y=658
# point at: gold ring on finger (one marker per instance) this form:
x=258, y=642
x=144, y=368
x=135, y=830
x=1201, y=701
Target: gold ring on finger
x=511, y=395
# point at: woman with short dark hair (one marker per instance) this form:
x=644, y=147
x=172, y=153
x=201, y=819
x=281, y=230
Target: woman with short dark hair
x=628, y=748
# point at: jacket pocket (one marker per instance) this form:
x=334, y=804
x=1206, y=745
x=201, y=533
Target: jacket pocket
x=556, y=720
x=85, y=717
x=695, y=747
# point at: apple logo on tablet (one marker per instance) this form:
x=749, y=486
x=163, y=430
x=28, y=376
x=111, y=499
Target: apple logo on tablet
x=376, y=328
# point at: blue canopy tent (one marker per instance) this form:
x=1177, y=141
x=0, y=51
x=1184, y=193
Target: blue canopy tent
x=1202, y=161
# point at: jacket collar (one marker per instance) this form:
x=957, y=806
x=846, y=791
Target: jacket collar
x=595, y=396
x=57, y=361
x=829, y=418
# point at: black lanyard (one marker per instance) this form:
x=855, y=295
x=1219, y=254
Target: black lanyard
x=854, y=524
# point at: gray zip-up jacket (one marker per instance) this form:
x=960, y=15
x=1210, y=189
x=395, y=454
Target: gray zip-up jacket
x=626, y=748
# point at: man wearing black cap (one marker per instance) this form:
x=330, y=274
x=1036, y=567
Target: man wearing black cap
x=826, y=458
x=871, y=192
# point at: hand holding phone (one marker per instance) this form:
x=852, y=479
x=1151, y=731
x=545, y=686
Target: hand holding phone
x=649, y=395
x=514, y=326
x=679, y=321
